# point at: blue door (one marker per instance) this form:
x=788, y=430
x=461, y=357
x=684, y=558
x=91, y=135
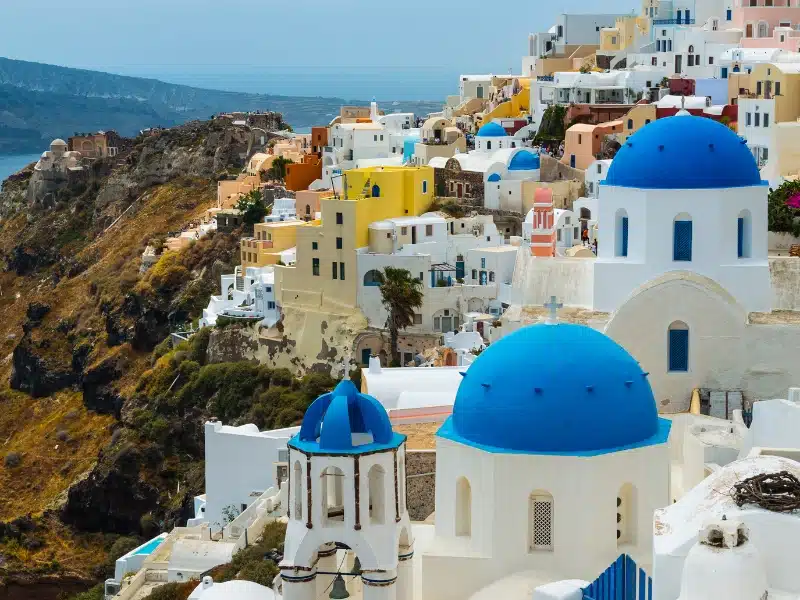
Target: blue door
x=459, y=269
x=678, y=350
x=688, y=17
x=724, y=72
x=572, y=161
x=682, y=247
x=483, y=277
x=365, y=354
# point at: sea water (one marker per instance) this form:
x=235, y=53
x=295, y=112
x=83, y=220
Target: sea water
x=11, y=163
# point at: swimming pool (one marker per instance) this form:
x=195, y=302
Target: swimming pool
x=150, y=546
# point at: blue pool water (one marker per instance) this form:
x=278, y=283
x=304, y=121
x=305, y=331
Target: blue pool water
x=150, y=546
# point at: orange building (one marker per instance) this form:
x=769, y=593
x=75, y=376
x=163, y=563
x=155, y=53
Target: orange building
x=319, y=139
x=308, y=202
x=583, y=143
x=301, y=175
x=543, y=233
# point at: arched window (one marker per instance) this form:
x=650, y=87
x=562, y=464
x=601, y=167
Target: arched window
x=488, y=145
x=377, y=494
x=626, y=515
x=230, y=292
x=621, y=248
x=463, y=507
x=332, y=495
x=425, y=186
x=376, y=191
x=744, y=228
x=308, y=209
x=682, y=238
x=763, y=29
x=297, y=480
x=691, y=49
x=540, y=522
x=630, y=124
x=372, y=278
x=678, y=347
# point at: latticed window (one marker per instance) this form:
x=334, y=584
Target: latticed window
x=682, y=242
x=541, y=522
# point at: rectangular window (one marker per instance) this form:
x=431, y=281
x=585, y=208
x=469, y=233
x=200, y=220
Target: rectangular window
x=335, y=270
x=315, y=267
x=417, y=319
x=338, y=243
x=766, y=119
x=682, y=243
x=474, y=273
x=777, y=88
x=757, y=120
x=483, y=263
x=339, y=218
x=314, y=246
x=678, y=350
x=740, y=238
x=375, y=138
x=558, y=235
x=270, y=306
x=428, y=230
x=758, y=88
x=711, y=60
x=748, y=119
x=341, y=271
x=624, y=241
x=729, y=15
x=407, y=357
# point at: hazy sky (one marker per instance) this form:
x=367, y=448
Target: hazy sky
x=157, y=36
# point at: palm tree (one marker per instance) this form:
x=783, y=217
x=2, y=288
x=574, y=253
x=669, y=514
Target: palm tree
x=401, y=294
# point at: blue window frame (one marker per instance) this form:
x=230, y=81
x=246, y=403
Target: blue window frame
x=729, y=15
x=315, y=267
x=335, y=270
x=483, y=263
x=376, y=191
x=682, y=243
x=724, y=72
x=624, y=249
x=366, y=353
x=372, y=278
x=339, y=242
x=425, y=187
x=314, y=245
x=678, y=350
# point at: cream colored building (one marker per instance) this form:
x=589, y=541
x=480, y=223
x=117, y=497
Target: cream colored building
x=268, y=243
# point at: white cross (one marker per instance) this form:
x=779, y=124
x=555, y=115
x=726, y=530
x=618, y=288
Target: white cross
x=552, y=307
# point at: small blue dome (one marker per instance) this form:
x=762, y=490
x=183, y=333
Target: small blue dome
x=345, y=421
x=555, y=389
x=684, y=152
x=524, y=160
x=492, y=130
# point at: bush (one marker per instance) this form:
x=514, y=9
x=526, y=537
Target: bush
x=96, y=593
x=172, y=591
x=12, y=460
x=122, y=546
x=261, y=572
x=199, y=345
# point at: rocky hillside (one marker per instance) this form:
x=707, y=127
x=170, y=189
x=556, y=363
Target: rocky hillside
x=89, y=432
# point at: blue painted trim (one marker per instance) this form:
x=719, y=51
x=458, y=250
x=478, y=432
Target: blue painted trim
x=447, y=432
x=314, y=448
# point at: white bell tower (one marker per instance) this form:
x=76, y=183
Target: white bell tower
x=347, y=500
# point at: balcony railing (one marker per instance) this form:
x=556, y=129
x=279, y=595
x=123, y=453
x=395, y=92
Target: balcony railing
x=545, y=78
x=673, y=21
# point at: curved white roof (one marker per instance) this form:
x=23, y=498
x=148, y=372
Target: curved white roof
x=240, y=590
x=58, y=142
x=388, y=385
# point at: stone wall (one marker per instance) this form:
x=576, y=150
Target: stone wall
x=554, y=170
x=781, y=241
x=785, y=277
x=453, y=173
x=571, y=280
x=420, y=483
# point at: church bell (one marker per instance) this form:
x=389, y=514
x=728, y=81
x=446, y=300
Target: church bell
x=339, y=591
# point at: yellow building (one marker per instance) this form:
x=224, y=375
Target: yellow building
x=325, y=271
x=636, y=118
x=229, y=191
x=515, y=107
x=623, y=34
x=267, y=243
x=776, y=86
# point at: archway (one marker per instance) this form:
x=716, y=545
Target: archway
x=376, y=191
x=678, y=347
x=377, y=494
x=297, y=508
x=332, y=495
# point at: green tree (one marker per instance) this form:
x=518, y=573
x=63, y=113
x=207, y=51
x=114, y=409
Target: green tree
x=252, y=207
x=552, y=128
x=781, y=216
x=277, y=171
x=401, y=294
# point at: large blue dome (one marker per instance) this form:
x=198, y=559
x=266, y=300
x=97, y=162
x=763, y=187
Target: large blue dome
x=555, y=389
x=345, y=421
x=684, y=152
x=492, y=130
x=524, y=160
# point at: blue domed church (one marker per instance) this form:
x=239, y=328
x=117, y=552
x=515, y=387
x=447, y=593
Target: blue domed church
x=553, y=462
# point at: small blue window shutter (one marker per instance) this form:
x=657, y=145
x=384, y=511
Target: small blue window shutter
x=624, y=236
x=740, y=238
x=682, y=247
x=678, y=350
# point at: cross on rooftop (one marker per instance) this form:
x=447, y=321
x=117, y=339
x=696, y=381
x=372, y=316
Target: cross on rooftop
x=552, y=306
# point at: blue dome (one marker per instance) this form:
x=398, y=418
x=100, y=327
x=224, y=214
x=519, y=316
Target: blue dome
x=555, y=389
x=493, y=177
x=684, y=152
x=345, y=421
x=524, y=161
x=492, y=130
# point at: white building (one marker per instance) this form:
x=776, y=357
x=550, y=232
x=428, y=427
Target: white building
x=436, y=250
x=240, y=590
x=525, y=416
x=58, y=158
x=249, y=296
x=566, y=225
x=347, y=485
x=233, y=484
x=611, y=87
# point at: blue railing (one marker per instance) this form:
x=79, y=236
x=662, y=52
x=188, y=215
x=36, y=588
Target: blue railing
x=623, y=580
x=673, y=21
x=545, y=78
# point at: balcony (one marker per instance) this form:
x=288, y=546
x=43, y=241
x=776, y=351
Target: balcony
x=673, y=21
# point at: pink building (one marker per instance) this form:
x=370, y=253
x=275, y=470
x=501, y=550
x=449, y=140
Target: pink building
x=543, y=233
x=768, y=23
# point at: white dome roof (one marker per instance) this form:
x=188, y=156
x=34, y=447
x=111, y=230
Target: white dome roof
x=240, y=590
x=58, y=142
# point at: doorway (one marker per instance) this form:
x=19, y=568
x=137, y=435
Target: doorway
x=413, y=234
x=678, y=63
x=460, y=190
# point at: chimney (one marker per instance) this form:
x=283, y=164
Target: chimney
x=207, y=582
x=374, y=365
